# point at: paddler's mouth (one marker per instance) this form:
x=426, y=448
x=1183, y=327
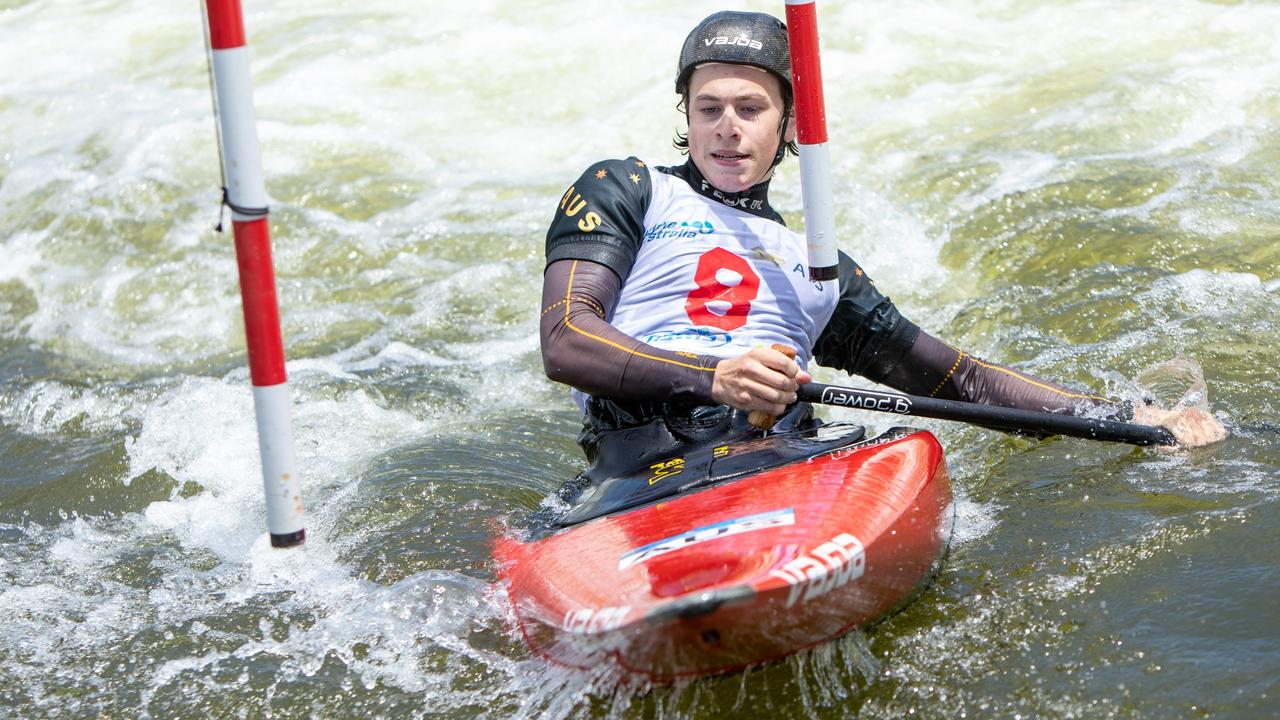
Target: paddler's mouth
x=728, y=157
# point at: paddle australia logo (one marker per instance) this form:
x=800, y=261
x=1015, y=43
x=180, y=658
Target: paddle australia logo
x=759, y=521
x=741, y=40
x=701, y=336
x=678, y=229
x=823, y=569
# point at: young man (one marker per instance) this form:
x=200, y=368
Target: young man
x=666, y=287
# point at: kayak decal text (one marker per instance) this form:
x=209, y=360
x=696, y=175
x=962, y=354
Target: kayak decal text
x=595, y=620
x=867, y=400
x=759, y=521
x=829, y=566
x=666, y=468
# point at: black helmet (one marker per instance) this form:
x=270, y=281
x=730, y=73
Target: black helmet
x=737, y=38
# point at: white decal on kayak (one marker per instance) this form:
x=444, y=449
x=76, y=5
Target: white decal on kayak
x=595, y=620
x=823, y=569
x=759, y=521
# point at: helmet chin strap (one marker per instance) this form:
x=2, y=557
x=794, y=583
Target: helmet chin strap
x=782, y=136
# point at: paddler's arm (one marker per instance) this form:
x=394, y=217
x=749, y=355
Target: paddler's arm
x=592, y=242
x=931, y=367
x=580, y=348
x=867, y=336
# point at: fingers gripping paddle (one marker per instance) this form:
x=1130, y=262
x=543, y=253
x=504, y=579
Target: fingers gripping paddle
x=759, y=418
x=1000, y=418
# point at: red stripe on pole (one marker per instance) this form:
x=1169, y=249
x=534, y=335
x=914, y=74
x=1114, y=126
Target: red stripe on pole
x=226, y=24
x=806, y=74
x=258, y=293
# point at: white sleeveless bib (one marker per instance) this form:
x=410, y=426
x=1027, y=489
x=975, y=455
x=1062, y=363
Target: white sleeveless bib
x=712, y=279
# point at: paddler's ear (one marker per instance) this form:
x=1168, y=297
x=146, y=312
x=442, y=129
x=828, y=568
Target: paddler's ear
x=790, y=135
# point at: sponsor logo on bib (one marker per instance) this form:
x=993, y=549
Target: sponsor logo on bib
x=678, y=229
x=702, y=336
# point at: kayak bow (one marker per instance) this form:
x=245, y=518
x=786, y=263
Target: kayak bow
x=743, y=570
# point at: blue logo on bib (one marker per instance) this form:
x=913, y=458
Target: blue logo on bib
x=698, y=335
x=678, y=229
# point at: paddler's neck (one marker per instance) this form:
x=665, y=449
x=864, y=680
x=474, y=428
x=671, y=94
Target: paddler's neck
x=754, y=199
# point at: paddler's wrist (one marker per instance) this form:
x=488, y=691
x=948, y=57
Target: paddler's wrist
x=706, y=381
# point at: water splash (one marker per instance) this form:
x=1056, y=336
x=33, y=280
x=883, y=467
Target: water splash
x=1175, y=383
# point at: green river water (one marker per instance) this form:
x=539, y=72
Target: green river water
x=1084, y=190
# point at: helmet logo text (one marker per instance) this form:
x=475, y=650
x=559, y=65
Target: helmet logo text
x=742, y=40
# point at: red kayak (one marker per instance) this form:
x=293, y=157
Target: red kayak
x=757, y=549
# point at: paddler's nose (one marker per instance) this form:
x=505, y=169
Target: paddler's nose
x=728, y=125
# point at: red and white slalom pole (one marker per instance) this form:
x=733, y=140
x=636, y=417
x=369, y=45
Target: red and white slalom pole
x=811, y=122
x=245, y=193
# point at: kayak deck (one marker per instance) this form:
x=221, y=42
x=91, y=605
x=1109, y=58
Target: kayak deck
x=739, y=572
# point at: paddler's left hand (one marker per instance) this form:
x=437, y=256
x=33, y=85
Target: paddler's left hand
x=760, y=379
x=1191, y=426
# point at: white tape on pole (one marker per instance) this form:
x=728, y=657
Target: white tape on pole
x=819, y=209
x=240, y=156
x=279, y=466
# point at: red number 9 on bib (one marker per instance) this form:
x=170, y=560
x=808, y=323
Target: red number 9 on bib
x=726, y=286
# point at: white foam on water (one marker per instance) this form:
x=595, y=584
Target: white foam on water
x=973, y=519
x=375, y=67
x=22, y=256
x=897, y=250
x=1018, y=172
x=203, y=432
x=48, y=407
x=1203, y=292
x=109, y=181
x=395, y=354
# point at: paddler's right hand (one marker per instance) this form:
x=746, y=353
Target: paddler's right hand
x=1191, y=426
x=761, y=379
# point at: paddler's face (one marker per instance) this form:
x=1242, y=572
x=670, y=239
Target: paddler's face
x=734, y=112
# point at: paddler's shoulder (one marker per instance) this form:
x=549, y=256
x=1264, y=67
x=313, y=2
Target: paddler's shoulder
x=612, y=183
x=630, y=171
x=606, y=203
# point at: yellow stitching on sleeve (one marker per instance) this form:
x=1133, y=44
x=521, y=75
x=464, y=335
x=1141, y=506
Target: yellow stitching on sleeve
x=569, y=324
x=1043, y=386
x=959, y=356
x=595, y=306
x=551, y=307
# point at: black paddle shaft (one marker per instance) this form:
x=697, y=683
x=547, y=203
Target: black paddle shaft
x=1000, y=418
